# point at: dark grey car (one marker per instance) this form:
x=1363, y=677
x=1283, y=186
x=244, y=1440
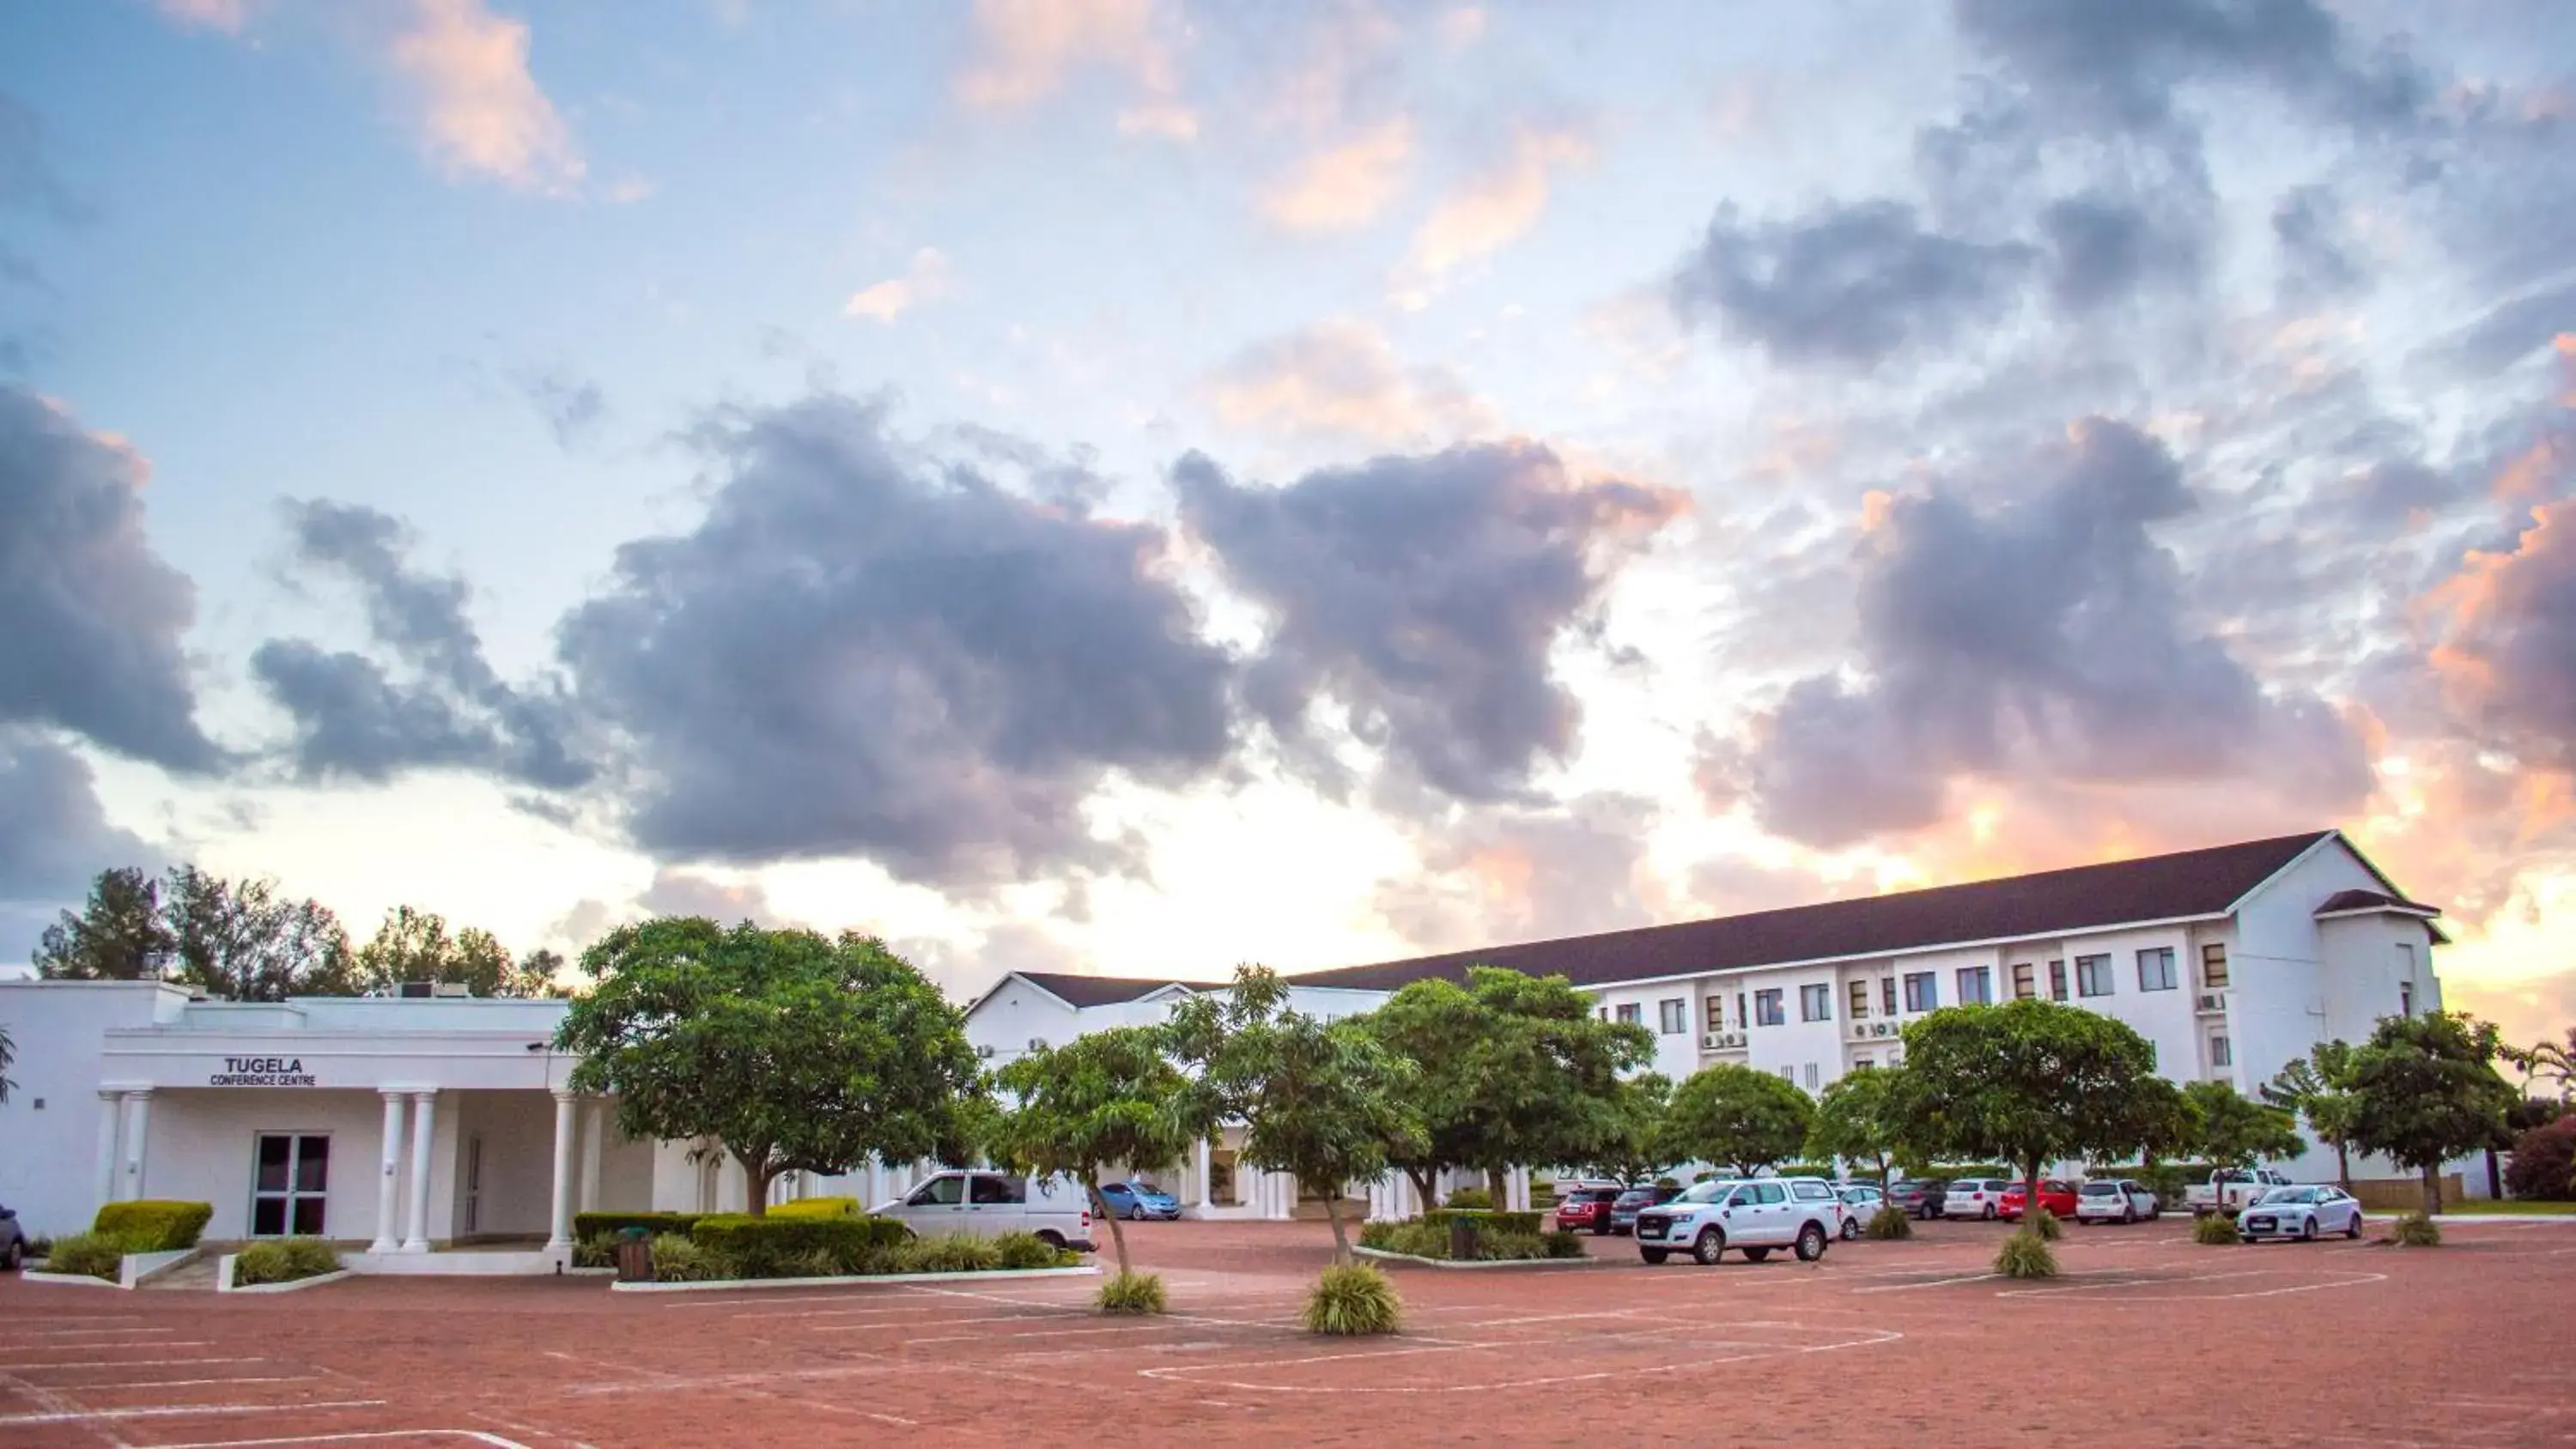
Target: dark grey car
x=13, y=1241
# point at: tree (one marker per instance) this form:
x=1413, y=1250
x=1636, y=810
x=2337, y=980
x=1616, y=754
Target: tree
x=1107, y=1096
x=1852, y=1122
x=793, y=1052
x=8, y=1054
x=2233, y=1130
x=118, y=936
x=1510, y=1070
x=1326, y=1102
x=2318, y=1087
x=2556, y=1060
x=2030, y=1082
x=537, y=974
x=415, y=945
x=1734, y=1116
x=1634, y=1151
x=243, y=941
x=2425, y=1091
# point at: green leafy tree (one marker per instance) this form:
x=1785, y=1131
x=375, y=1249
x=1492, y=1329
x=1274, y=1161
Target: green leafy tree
x=1326, y=1102
x=1734, y=1116
x=2232, y=1130
x=2028, y=1082
x=118, y=936
x=2426, y=1090
x=1634, y=1151
x=795, y=1052
x=1852, y=1121
x=244, y=941
x=1510, y=1069
x=2318, y=1087
x=8, y=1054
x=539, y=974
x=2550, y=1060
x=415, y=945
x=1103, y=1097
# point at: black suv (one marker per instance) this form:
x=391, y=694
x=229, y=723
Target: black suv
x=1919, y=1197
x=1623, y=1211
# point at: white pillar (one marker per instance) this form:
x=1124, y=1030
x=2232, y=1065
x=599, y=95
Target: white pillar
x=111, y=1125
x=594, y=1144
x=138, y=1138
x=389, y=1184
x=424, y=1133
x=1207, y=1169
x=567, y=1133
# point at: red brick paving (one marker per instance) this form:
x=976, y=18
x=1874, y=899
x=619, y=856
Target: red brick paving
x=2149, y=1339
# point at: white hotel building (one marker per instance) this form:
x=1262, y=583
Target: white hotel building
x=416, y=1125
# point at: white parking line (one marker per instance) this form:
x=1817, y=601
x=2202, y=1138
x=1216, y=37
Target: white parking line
x=473, y=1435
x=99, y=1363
x=17, y=1349
x=1041, y=1333
x=187, y=1383
x=184, y=1411
x=1933, y=1283
x=92, y=1332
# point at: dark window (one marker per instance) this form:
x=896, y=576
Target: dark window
x=290, y=1185
x=1770, y=1192
x=2093, y=975
x=1717, y=1013
x=2025, y=985
x=990, y=1188
x=1887, y=993
x=1859, y=1000
x=2156, y=969
x=945, y=1190
x=1816, y=1003
x=1767, y=1008
x=2213, y=967
x=1922, y=993
x=1675, y=1015
x=1976, y=985
x=2057, y=981
x=1631, y=1013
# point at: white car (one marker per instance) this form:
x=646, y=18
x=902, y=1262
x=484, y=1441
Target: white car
x=1860, y=1200
x=1974, y=1197
x=1802, y=1214
x=2300, y=1212
x=2230, y=1190
x=2116, y=1200
x=989, y=1204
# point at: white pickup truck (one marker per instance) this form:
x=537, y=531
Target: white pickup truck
x=2230, y=1189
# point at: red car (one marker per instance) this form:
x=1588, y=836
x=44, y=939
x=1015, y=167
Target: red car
x=2056, y=1195
x=1586, y=1207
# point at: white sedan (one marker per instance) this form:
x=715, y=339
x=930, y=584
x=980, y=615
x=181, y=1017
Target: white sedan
x=2300, y=1212
x=2116, y=1200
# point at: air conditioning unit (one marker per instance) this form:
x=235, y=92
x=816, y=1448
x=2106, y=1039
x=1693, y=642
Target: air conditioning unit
x=2213, y=1001
x=1887, y=1028
x=450, y=989
x=415, y=990
x=983, y=1051
x=1037, y=1043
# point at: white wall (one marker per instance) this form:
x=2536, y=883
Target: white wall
x=518, y=1132
x=204, y=1145
x=49, y=1127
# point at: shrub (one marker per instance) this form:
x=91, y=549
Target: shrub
x=2026, y=1255
x=1378, y=1233
x=810, y=1263
x=148, y=1226
x=1703, y=1177
x=95, y=1255
x=599, y=1250
x=678, y=1259
x=819, y=1207
x=2544, y=1163
x=955, y=1253
x=2216, y=1230
x=1470, y=1197
x=1352, y=1300
x=1889, y=1224
x=1028, y=1250
x=1563, y=1245
x=1414, y=1238
x=608, y=1225
x=1132, y=1293
x=2416, y=1230
x=2045, y=1223
x=1508, y=1247
x=284, y=1260
x=1825, y=1170
x=770, y=1247
x=1673, y=1182
x=1487, y=1220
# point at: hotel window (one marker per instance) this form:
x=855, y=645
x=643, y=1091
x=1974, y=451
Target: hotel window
x=1717, y=1013
x=1859, y=1000
x=2025, y=981
x=2156, y=969
x=2092, y=975
x=2222, y=1052
x=1921, y=993
x=2213, y=967
x=1862, y=1063
x=291, y=1179
x=1768, y=1010
x=1675, y=1014
x=1811, y=1076
x=1743, y=1018
x=1887, y=993
x=1630, y=1012
x=2405, y=998
x=1816, y=1003
x=2057, y=981
x=1976, y=985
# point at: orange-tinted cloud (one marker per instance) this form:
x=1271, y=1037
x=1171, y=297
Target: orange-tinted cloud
x=480, y=110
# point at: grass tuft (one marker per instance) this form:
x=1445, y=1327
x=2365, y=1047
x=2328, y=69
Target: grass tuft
x=2045, y=1223
x=2215, y=1230
x=2416, y=1230
x=2026, y=1255
x=1353, y=1300
x=1132, y=1293
x=1889, y=1224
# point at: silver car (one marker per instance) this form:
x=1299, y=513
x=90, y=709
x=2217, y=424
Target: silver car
x=2300, y=1212
x=1974, y=1197
x=2115, y=1200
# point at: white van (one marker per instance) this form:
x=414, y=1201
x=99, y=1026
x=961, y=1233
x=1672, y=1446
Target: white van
x=989, y=1204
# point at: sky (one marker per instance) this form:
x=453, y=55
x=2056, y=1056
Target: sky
x=1135, y=486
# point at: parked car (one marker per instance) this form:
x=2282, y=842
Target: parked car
x=1798, y=1213
x=2230, y=1189
x=988, y=1204
x=2300, y=1212
x=1586, y=1208
x=1919, y=1197
x=1625, y=1207
x=1975, y=1197
x=1140, y=1201
x=2055, y=1194
x=13, y=1241
x=1860, y=1199
x=2116, y=1200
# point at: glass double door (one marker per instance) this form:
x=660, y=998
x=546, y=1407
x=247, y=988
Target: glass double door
x=290, y=1185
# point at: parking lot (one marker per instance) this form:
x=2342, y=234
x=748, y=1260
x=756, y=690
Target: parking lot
x=2148, y=1338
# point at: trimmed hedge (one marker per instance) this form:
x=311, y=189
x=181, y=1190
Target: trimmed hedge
x=87, y=1255
x=2544, y=1163
x=586, y=1226
x=1488, y=1220
x=819, y=1207
x=284, y=1260
x=781, y=1247
x=153, y=1226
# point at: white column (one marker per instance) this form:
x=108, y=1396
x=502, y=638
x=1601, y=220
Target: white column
x=389, y=1185
x=424, y=1133
x=594, y=1144
x=111, y=1125
x=138, y=1138
x=1207, y=1170
x=567, y=1133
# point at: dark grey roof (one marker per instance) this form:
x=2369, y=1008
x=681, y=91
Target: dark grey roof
x=2342, y=901
x=1078, y=990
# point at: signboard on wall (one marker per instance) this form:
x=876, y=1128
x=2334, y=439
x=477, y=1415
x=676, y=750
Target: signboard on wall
x=261, y=1072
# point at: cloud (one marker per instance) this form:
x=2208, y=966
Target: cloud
x=2048, y=639
x=863, y=651
x=1491, y=209
x=354, y=719
x=1852, y=284
x=1345, y=186
x=927, y=278
x=228, y=16
x=53, y=835
x=1341, y=378
x=683, y=893
x=94, y=617
x=479, y=108
x=28, y=181
x=2506, y=644
x=2528, y=1010
x=1424, y=596
x=2319, y=257
x=571, y=405
x=2102, y=248
x=1021, y=51
x=1525, y=875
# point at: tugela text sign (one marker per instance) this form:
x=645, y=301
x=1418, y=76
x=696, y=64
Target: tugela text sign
x=261, y=1072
